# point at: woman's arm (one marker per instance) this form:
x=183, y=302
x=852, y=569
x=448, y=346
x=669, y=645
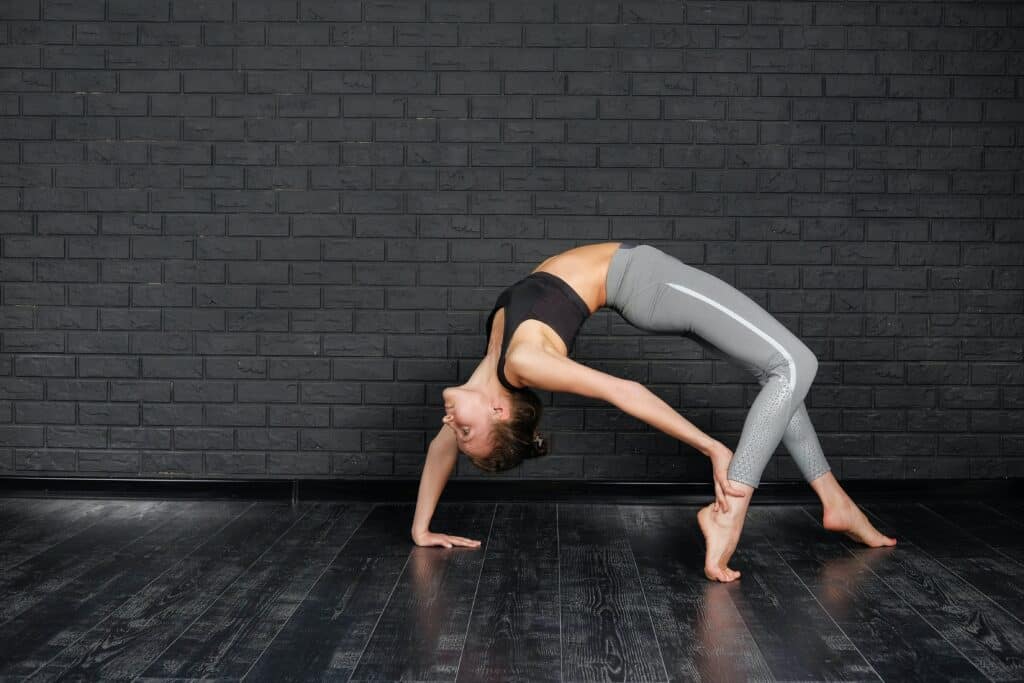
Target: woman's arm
x=637, y=400
x=441, y=456
x=555, y=372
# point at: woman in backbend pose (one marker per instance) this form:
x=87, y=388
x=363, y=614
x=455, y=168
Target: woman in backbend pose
x=492, y=418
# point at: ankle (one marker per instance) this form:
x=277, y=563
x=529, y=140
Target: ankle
x=730, y=518
x=831, y=497
x=829, y=492
x=836, y=501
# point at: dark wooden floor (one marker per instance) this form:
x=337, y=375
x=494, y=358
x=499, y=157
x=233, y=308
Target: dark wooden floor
x=264, y=591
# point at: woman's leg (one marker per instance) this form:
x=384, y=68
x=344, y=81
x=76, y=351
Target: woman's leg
x=799, y=437
x=839, y=513
x=659, y=293
x=694, y=303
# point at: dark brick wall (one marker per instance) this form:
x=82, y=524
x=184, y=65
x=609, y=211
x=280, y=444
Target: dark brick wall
x=256, y=239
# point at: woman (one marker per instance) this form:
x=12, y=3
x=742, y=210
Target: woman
x=492, y=418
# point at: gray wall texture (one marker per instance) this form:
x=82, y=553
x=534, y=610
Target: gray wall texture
x=257, y=238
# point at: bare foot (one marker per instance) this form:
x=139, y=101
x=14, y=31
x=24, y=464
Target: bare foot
x=720, y=538
x=849, y=519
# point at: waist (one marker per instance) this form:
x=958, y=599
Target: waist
x=621, y=277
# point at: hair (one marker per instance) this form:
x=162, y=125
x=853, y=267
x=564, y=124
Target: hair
x=516, y=438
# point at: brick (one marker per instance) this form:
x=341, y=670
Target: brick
x=304, y=212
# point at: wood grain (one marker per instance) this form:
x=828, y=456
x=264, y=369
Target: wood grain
x=422, y=630
x=981, y=630
x=255, y=591
x=124, y=643
x=62, y=616
x=701, y=634
x=797, y=637
x=898, y=643
x=515, y=631
x=327, y=632
x=607, y=632
x=226, y=639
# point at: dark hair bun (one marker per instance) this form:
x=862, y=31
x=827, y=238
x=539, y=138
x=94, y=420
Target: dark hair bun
x=540, y=445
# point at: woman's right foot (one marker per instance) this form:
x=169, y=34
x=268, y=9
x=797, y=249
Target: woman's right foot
x=849, y=519
x=721, y=534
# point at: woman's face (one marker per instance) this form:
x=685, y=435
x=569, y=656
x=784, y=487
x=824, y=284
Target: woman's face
x=468, y=413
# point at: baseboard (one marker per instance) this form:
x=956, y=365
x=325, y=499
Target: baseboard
x=388, y=490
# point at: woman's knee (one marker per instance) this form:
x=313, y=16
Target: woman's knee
x=797, y=367
x=809, y=364
x=806, y=370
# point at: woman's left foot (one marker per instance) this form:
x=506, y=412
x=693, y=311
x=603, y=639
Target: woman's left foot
x=721, y=534
x=849, y=519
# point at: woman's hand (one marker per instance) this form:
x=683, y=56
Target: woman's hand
x=429, y=538
x=720, y=456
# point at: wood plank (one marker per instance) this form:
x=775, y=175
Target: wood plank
x=228, y=637
x=1010, y=507
x=15, y=509
x=28, y=582
x=137, y=631
x=997, y=578
x=421, y=633
x=980, y=630
x=514, y=630
x=607, y=632
x=1002, y=532
x=40, y=525
x=928, y=530
x=63, y=616
x=994, y=571
x=20, y=523
x=323, y=638
x=797, y=637
x=898, y=643
x=701, y=634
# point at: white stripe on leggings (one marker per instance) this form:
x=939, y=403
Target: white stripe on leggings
x=778, y=347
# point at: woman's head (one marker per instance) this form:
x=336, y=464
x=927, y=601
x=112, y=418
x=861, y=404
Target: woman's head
x=495, y=435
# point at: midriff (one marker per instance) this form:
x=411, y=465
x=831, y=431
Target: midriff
x=585, y=269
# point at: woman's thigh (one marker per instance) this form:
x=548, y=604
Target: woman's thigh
x=691, y=302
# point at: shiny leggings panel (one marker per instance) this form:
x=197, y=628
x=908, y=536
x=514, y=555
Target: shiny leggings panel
x=658, y=293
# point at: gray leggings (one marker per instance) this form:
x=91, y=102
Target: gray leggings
x=656, y=292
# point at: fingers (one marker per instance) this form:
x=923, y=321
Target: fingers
x=460, y=541
x=721, y=503
x=727, y=486
x=724, y=504
x=448, y=541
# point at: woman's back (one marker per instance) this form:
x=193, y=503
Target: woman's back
x=583, y=269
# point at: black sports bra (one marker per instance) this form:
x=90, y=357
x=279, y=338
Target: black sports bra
x=538, y=296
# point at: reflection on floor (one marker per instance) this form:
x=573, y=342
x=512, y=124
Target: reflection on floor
x=267, y=591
